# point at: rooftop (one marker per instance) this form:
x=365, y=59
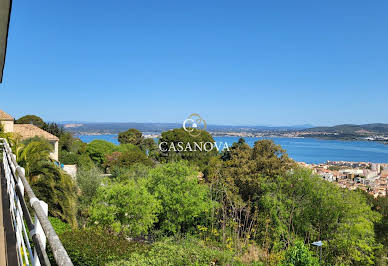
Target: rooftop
x=5, y=117
x=27, y=131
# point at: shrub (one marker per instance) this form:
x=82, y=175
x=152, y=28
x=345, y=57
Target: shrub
x=127, y=159
x=137, y=171
x=97, y=247
x=88, y=180
x=179, y=252
x=184, y=201
x=97, y=150
x=132, y=136
x=59, y=226
x=125, y=207
x=81, y=160
x=299, y=255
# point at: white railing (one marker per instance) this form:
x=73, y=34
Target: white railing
x=23, y=226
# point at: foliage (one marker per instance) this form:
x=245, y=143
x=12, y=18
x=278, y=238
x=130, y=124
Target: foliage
x=179, y=135
x=97, y=150
x=88, y=180
x=31, y=119
x=126, y=159
x=59, y=226
x=52, y=128
x=136, y=171
x=127, y=154
x=66, y=141
x=290, y=203
x=245, y=167
x=172, y=251
x=48, y=181
x=135, y=137
x=73, y=151
x=132, y=136
x=149, y=147
x=92, y=247
x=299, y=255
x=306, y=206
x=125, y=207
x=185, y=202
x=81, y=160
x=380, y=204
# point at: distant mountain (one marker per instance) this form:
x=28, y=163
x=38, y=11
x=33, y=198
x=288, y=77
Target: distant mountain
x=368, y=129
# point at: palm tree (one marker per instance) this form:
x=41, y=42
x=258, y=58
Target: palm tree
x=48, y=181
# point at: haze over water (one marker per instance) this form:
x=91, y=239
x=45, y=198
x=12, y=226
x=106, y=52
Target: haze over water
x=305, y=149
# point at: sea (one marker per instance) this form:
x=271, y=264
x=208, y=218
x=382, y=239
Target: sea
x=308, y=150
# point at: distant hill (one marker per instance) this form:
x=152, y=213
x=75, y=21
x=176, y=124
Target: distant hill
x=114, y=128
x=368, y=129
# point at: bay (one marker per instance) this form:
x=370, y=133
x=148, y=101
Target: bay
x=307, y=150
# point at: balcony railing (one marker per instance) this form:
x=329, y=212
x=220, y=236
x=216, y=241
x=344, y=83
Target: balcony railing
x=39, y=229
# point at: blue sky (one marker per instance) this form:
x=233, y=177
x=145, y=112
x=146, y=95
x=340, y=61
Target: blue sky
x=233, y=62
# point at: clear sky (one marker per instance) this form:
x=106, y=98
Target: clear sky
x=233, y=62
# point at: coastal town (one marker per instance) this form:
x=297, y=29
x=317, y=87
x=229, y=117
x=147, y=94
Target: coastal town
x=369, y=177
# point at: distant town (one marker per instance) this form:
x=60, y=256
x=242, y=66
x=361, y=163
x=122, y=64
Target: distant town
x=370, y=177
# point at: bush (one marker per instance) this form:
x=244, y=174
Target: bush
x=299, y=255
x=125, y=207
x=179, y=252
x=97, y=150
x=184, y=201
x=88, y=180
x=59, y=226
x=127, y=159
x=83, y=160
x=132, y=136
x=136, y=172
x=96, y=247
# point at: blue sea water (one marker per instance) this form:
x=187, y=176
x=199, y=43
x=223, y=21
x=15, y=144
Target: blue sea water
x=305, y=149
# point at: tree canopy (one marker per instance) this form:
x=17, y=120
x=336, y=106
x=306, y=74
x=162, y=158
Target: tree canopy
x=132, y=136
x=179, y=137
x=31, y=119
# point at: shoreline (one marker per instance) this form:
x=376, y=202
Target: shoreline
x=156, y=135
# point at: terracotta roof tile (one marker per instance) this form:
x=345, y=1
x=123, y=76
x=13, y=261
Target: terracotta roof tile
x=5, y=117
x=27, y=131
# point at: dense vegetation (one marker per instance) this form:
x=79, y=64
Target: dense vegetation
x=133, y=205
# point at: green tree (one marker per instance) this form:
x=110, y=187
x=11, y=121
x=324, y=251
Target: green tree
x=148, y=145
x=97, y=150
x=132, y=136
x=88, y=180
x=245, y=168
x=54, y=129
x=48, y=181
x=185, y=202
x=300, y=205
x=179, y=137
x=31, y=119
x=125, y=207
x=136, y=171
x=126, y=159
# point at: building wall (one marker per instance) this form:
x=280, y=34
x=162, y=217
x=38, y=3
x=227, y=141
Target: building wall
x=71, y=169
x=54, y=154
x=7, y=125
